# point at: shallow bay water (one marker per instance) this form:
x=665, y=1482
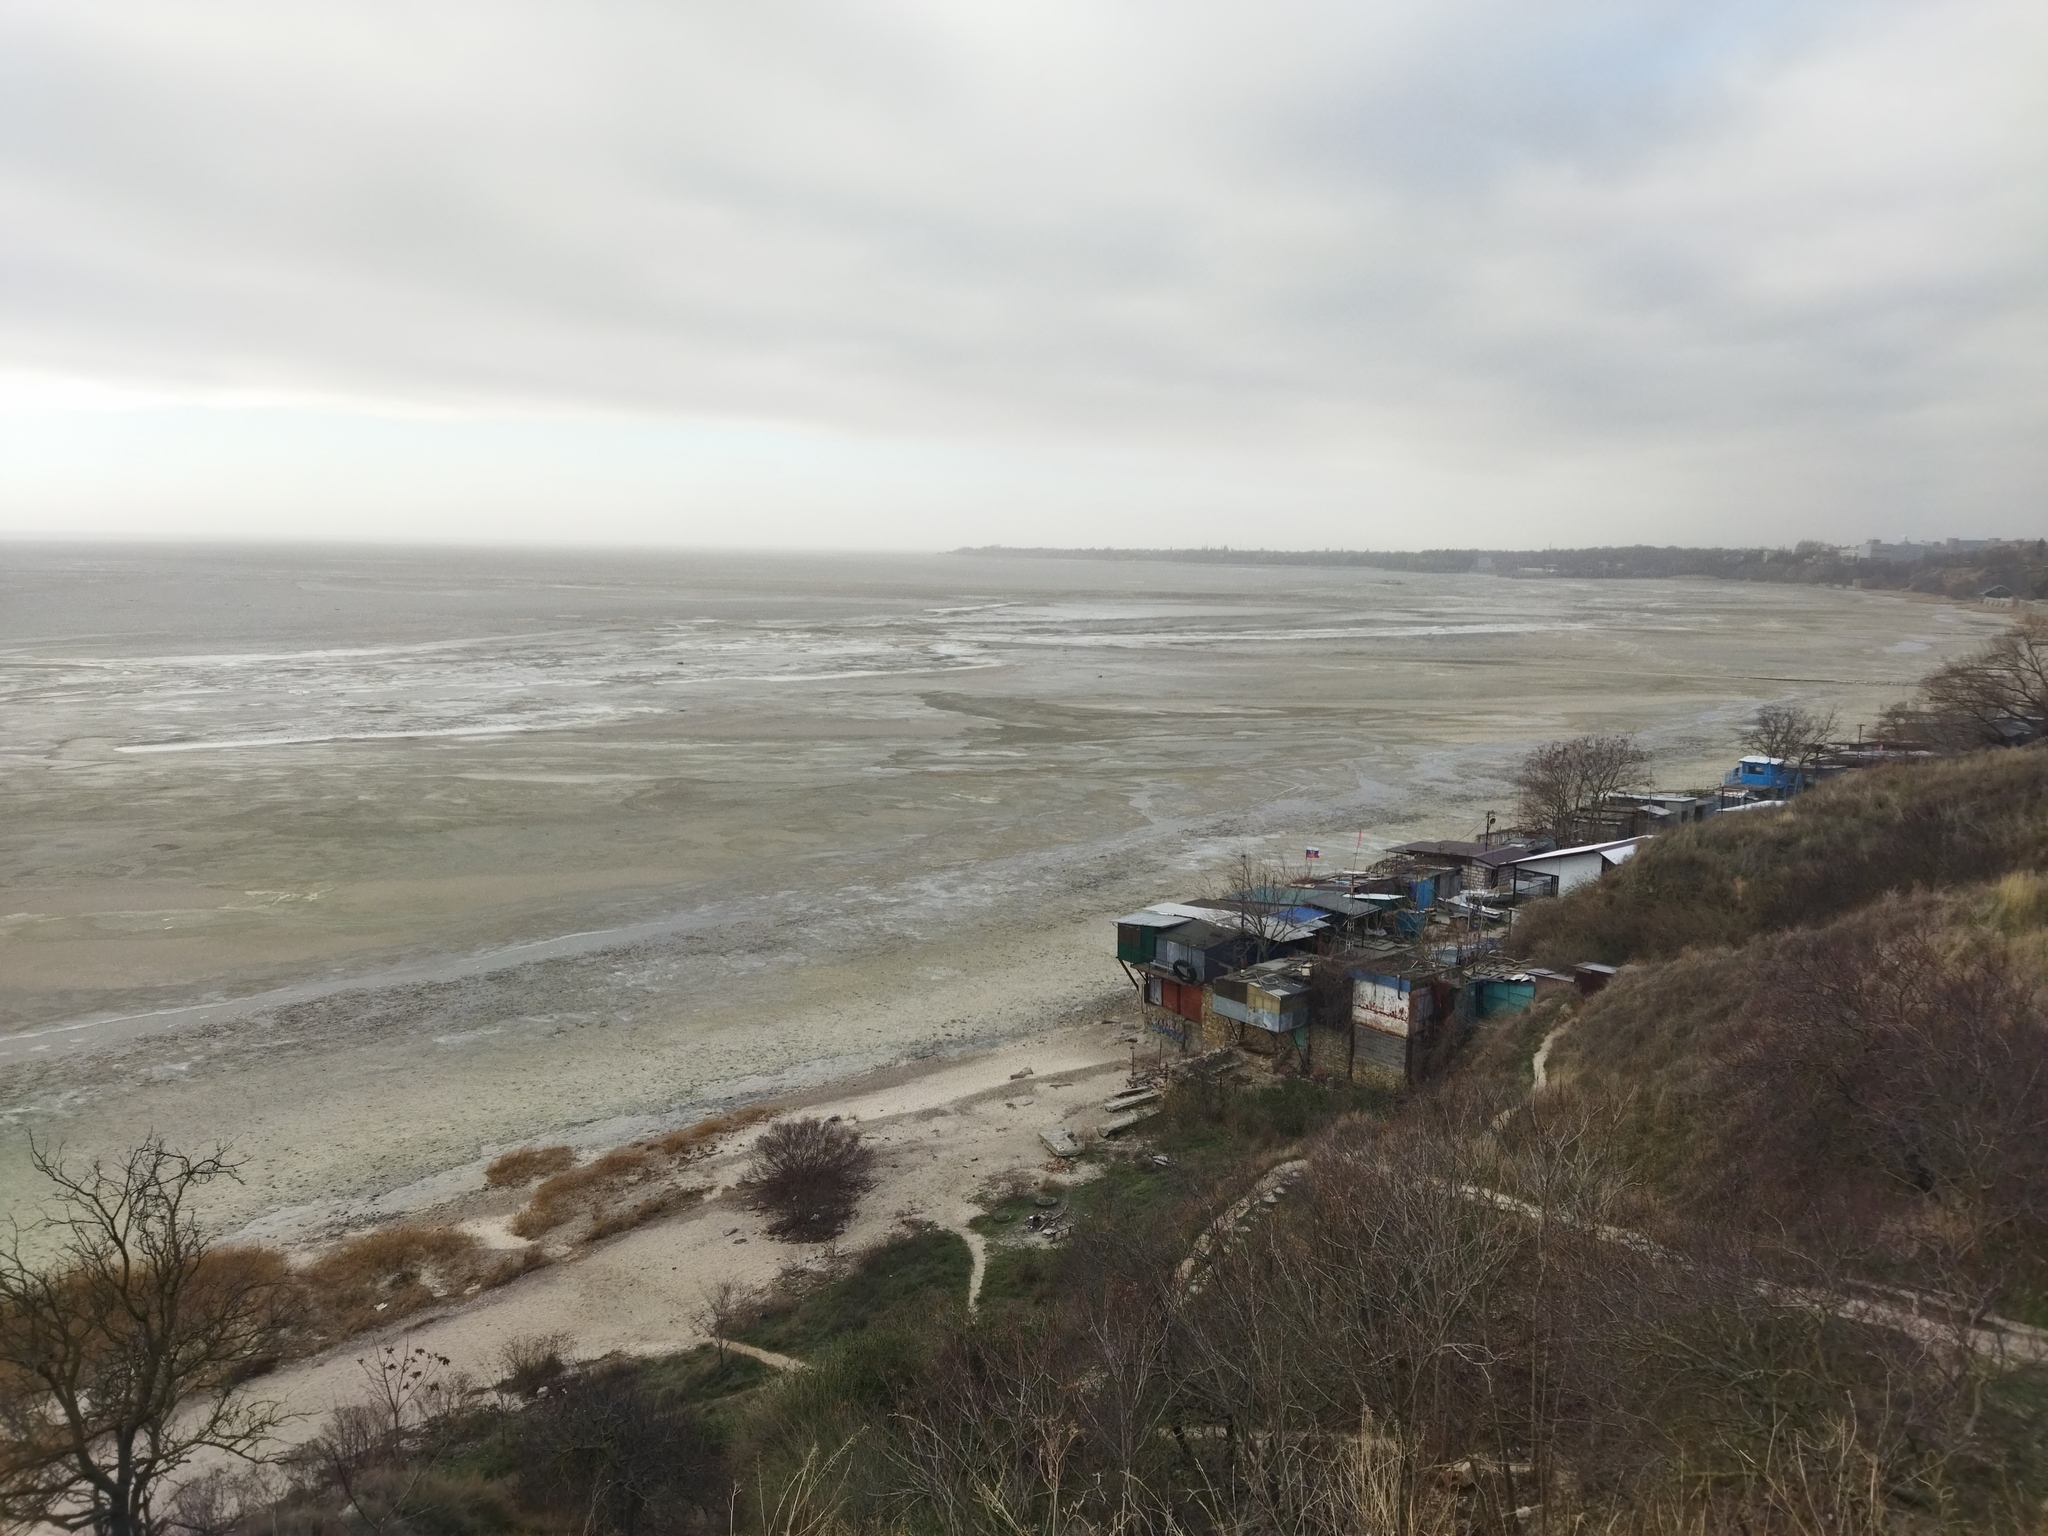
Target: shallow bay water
x=373, y=861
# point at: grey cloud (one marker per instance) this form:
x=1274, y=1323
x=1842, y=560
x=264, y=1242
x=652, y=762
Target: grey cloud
x=1587, y=232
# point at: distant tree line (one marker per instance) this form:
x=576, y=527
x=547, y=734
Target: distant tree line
x=2020, y=566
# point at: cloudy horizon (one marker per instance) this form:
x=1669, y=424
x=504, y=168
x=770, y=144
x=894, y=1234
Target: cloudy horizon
x=906, y=275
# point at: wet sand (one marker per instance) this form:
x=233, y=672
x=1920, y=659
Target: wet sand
x=373, y=864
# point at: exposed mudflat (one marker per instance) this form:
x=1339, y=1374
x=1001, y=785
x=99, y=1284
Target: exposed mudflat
x=373, y=863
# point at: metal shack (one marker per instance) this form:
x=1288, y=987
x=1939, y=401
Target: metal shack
x=1171, y=1005
x=1137, y=934
x=1200, y=951
x=1394, y=1021
x=1272, y=999
x=1773, y=775
x=1506, y=990
x=1563, y=868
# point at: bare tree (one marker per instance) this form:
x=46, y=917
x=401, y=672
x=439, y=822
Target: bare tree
x=1995, y=696
x=376, y=1452
x=125, y=1335
x=1788, y=731
x=1250, y=898
x=808, y=1175
x=1561, y=782
x=724, y=1305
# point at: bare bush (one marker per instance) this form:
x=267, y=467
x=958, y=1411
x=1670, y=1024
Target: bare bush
x=603, y=1453
x=808, y=1175
x=1891, y=1062
x=531, y=1361
x=378, y=1453
x=726, y=1305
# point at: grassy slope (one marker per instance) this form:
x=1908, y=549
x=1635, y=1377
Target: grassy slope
x=1727, y=880
x=1791, y=1051
x=907, y=1278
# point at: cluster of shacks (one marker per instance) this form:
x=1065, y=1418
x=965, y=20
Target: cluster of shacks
x=1377, y=972
x=1364, y=973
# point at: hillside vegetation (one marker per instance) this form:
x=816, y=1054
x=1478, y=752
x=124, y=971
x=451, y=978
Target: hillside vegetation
x=1875, y=1089
x=1924, y=827
x=1830, y=1034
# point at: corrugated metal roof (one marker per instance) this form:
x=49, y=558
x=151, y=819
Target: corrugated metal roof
x=1565, y=853
x=1281, y=986
x=1152, y=917
x=1275, y=928
x=1443, y=850
x=1186, y=910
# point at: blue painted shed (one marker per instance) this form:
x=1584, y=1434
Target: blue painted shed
x=1773, y=774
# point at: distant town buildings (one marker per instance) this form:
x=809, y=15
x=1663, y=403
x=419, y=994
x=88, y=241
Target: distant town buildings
x=1907, y=550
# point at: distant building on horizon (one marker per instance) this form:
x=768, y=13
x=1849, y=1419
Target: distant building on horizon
x=1907, y=550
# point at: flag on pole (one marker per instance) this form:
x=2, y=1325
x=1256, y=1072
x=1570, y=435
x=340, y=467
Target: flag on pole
x=1313, y=853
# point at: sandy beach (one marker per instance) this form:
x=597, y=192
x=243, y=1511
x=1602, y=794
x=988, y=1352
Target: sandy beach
x=947, y=1135
x=374, y=865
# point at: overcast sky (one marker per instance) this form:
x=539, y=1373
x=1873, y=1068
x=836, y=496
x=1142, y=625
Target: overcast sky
x=918, y=274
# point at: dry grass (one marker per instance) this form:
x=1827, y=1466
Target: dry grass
x=1906, y=828
x=568, y=1195
x=595, y=1189
x=527, y=1164
x=2019, y=903
x=694, y=1140
x=381, y=1276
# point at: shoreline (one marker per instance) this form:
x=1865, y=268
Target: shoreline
x=373, y=964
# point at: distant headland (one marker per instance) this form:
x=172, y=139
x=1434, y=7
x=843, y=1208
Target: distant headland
x=1980, y=569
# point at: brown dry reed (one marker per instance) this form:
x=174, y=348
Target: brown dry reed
x=381, y=1276
x=592, y=1189
x=695, y=1139
x=526, y=1164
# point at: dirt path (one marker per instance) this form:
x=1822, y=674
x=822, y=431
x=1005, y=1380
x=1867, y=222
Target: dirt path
x=765, y=1356
x=977, y=1248
x=1272, y=1182
x=1539, y=1064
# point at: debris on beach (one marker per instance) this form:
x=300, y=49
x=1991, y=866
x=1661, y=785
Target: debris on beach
x=1116, y=1125
x=1061, y=1142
